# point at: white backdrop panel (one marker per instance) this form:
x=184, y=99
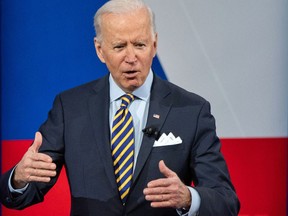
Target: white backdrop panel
x=233, y=53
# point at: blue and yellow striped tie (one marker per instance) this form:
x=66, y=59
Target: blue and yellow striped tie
x=123, y=146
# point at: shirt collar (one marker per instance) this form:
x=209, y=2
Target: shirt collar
x=143, y=92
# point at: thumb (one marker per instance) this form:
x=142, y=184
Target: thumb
x=165, y=170
x=37, y=142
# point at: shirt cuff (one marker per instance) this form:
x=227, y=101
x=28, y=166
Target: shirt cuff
x=195, y=204
x=12, y=190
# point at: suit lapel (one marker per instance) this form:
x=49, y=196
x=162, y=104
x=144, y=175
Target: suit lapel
x=99, y=112
x=160, y=105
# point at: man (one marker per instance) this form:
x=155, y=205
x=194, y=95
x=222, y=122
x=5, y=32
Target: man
x=179, y=144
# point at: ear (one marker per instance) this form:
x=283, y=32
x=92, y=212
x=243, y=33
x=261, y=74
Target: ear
x=99, y=51
x=155, y=44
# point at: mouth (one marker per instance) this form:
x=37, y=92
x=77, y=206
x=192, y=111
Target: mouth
x=131, y=74
x=131, y=71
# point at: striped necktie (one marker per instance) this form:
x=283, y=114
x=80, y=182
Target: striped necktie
x=123, y=146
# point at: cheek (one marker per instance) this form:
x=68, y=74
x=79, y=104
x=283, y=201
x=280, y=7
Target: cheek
x=114, y=63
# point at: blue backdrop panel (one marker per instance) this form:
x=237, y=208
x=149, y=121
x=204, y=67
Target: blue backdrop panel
x=46, y=47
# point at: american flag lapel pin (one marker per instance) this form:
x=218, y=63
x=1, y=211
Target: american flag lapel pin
x=157, y=116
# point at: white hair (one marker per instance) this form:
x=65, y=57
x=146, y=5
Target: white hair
x=120, y=7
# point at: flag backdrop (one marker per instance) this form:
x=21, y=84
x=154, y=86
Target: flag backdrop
x=233, y=53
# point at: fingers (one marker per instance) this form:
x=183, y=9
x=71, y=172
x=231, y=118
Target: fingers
x=163, y=195
x=170, y=188
x=41, y=157
x=159, y=197
x=26, y=172
x=40, y=175
x=168, y=191
x=41, y=165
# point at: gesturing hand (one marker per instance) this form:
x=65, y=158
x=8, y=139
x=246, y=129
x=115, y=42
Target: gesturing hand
x=169, y=191
x=34, y=166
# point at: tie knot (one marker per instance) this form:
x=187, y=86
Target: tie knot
x=126, y=100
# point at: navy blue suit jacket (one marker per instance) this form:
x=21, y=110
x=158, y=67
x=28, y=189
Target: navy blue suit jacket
x=77, y=135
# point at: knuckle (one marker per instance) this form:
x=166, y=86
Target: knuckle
x=28, y=178
x=27, y=163
x=36, y=172
x=173, y=189
x=26, y=172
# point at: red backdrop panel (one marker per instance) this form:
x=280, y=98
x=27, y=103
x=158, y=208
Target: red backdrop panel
x=56, y=202
x=258, y=169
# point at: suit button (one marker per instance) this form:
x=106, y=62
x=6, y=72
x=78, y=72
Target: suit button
x=8, y=199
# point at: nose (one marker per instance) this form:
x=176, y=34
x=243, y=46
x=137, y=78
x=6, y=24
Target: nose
x=130, y=57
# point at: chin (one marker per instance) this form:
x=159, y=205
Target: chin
x=131, y=88
x=133, y=85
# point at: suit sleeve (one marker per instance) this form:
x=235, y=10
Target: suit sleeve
x=53, y=145
x=212, y=180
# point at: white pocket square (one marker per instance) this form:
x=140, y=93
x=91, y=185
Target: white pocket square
x=167, y=140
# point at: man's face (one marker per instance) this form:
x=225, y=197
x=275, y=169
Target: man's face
x=127, y=48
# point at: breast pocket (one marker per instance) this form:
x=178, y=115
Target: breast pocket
x=168, y=148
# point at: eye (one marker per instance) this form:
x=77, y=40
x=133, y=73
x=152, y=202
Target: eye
x=118, y=47
x=140, y=45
